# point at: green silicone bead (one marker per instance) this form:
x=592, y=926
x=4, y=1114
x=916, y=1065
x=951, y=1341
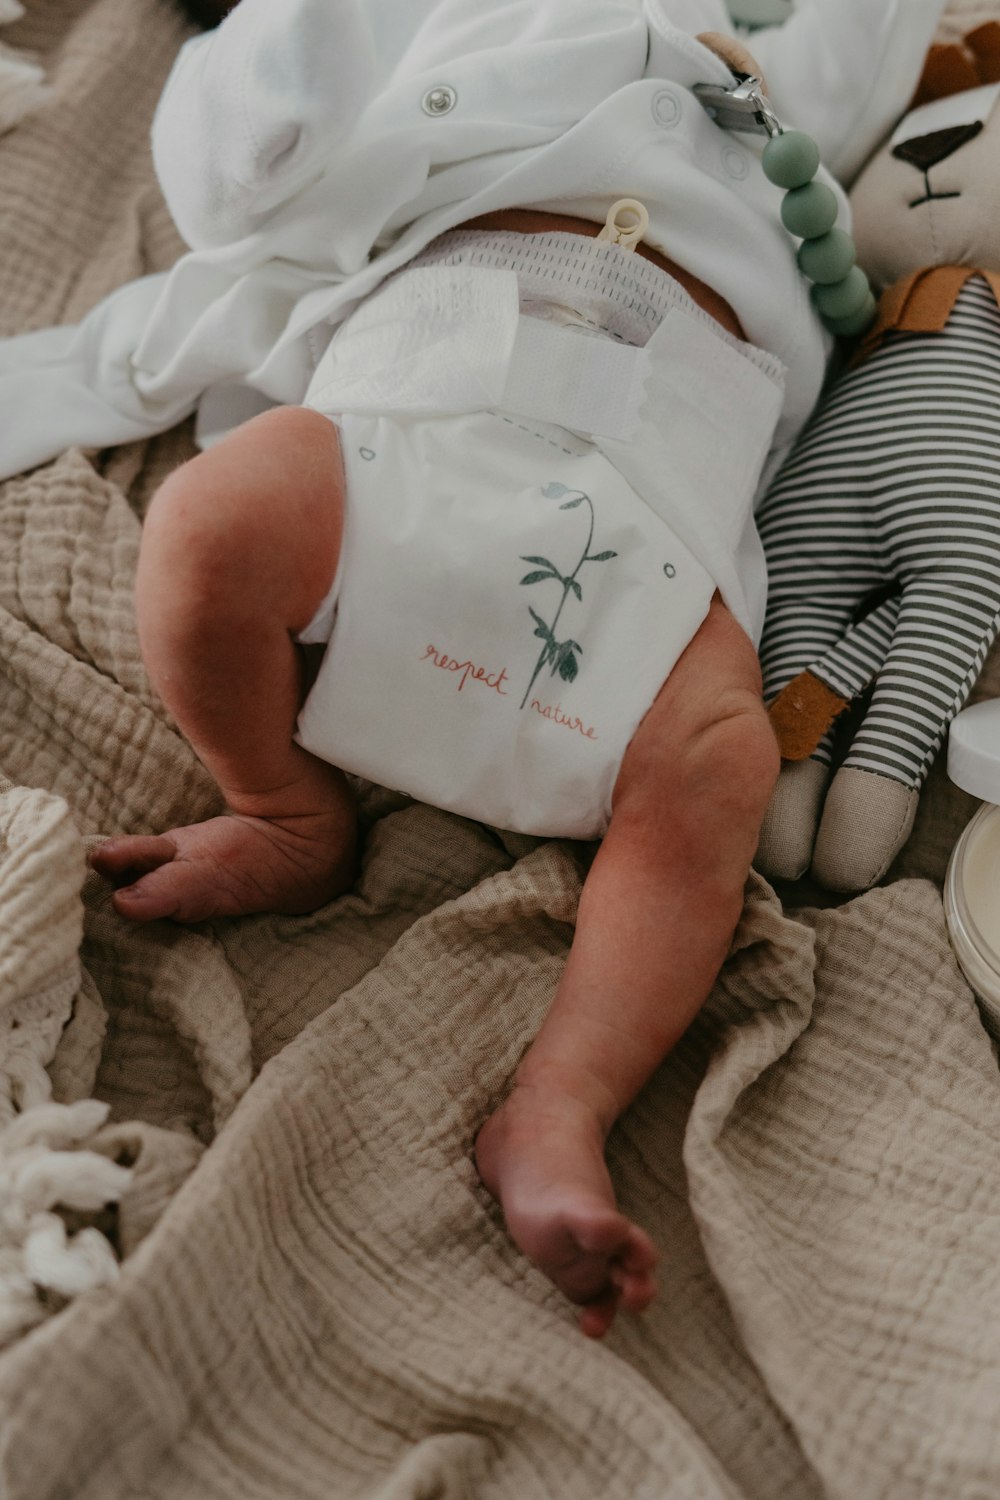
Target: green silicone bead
x=791, y=159
x=858, y=322
x=809, y=211
x=842, y=298
x=827, y=259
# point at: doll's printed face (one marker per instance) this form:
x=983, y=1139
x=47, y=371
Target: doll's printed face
x=930, y=135
x=931, y=195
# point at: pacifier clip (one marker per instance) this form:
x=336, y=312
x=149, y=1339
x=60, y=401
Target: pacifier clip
x=626, y=224
x=841, y=291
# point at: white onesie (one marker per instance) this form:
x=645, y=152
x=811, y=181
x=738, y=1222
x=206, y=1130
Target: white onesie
x=551, y=455
x=310, y=148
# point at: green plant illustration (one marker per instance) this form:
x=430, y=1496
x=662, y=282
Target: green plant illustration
x=560, y=656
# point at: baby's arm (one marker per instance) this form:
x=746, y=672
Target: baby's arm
x=845, y=70
x=250, y=110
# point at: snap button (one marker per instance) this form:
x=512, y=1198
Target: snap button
x=666, y=108
x=735, y=162
x=439, y=101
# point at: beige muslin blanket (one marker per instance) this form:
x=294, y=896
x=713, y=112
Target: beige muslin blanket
x=316, y=1298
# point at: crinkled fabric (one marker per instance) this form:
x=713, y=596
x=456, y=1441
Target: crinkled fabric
x=324, y=1302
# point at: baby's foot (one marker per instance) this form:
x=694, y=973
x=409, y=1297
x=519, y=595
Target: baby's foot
x=232, y=865
x=542, y=1158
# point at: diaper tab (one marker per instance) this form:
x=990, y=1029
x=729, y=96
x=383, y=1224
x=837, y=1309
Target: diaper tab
x=696, y=459
x=588, y=384
x=443, y=340
x=433, y=340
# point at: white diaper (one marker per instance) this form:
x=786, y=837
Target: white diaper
x=525, y=555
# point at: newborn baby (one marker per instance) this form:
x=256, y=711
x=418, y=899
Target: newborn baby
x=239, y=551
x=511, y=496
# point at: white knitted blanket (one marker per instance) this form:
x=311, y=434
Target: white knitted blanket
x=244, y=1254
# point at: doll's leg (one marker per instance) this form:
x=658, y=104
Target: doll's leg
x=801, y=716
x=656, y=916
x=944, y=633
x=239, y=548
x=938, y=648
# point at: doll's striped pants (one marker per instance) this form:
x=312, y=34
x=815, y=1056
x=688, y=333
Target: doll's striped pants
x=892, y=494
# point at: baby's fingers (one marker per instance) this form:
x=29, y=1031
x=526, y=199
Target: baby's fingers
x=124, y=859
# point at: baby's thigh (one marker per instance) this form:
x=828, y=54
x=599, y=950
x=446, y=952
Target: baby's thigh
x=704, y=758
x=261, y=510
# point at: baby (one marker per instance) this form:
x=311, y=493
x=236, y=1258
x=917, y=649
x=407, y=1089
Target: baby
x=429, y=178
x=239, y=550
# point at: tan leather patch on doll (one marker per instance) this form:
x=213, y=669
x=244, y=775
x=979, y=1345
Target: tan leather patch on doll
x=921, y=303
x=953, y=67
x=802, y=713
x=948, y=70
x=985, y=45
x=737, y=58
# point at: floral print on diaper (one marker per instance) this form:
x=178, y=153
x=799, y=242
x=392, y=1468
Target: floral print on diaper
x=560, y=656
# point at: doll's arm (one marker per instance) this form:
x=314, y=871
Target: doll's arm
x=845, y=70
x=250, y=110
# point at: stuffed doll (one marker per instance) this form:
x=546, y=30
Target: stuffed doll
x=882, y=530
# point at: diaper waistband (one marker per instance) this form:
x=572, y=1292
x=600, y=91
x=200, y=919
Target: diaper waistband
x=574, y=280
x=625, y=225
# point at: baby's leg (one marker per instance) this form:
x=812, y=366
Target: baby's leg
x=656, y=916
x=239, y=548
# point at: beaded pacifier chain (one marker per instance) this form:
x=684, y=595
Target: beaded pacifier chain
x=826, y=257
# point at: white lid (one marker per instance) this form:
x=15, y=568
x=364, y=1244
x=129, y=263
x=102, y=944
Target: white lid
x=974, y=750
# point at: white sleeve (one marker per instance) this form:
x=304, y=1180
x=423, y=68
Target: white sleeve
x=251, y=109
x=845, y=70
